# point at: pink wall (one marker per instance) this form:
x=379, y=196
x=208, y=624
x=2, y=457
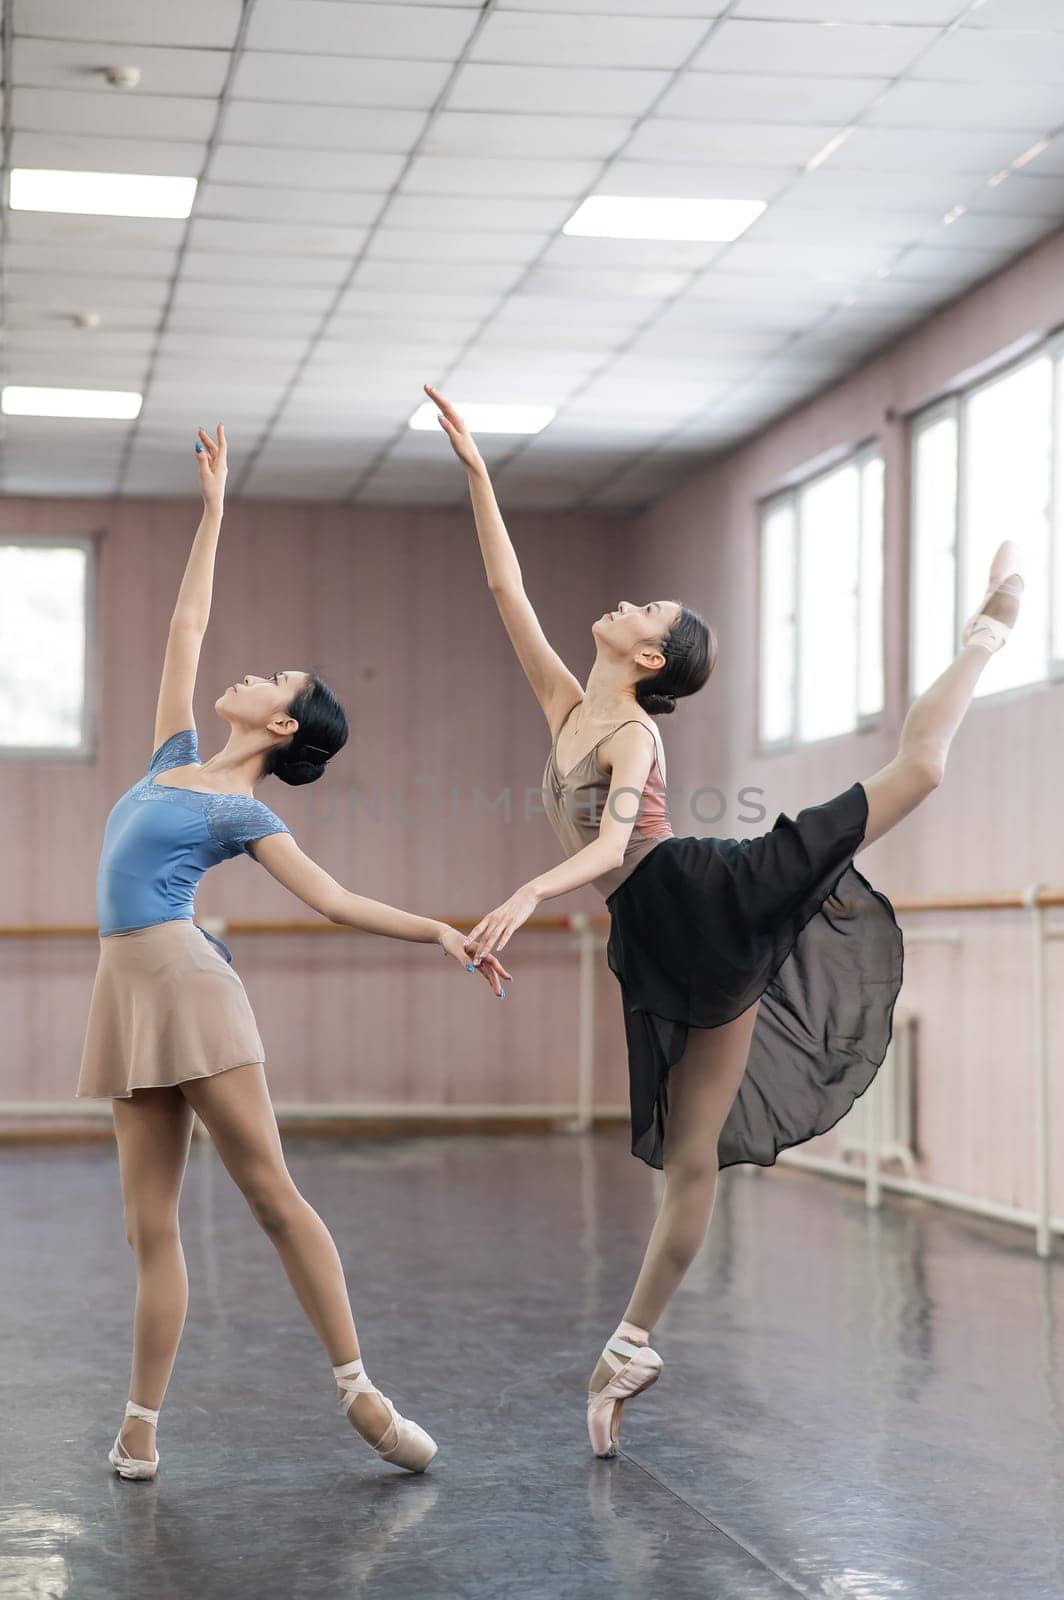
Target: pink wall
x=392, y=607
x=995, y=822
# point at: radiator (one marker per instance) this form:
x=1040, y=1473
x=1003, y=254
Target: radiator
x=888, y=1108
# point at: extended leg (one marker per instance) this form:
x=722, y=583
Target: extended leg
x=934, y=718
x=153, y=1129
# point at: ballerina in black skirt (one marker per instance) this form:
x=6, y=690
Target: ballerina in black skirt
x=758, y=976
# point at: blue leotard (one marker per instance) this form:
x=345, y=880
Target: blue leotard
x=159, y=841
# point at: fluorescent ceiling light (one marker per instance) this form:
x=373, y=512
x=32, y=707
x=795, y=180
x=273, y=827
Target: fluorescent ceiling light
x=1031, y=154
x=828, y=149
x=486, y=418
x=117, y=404
x=107, y=194
x=615, y=216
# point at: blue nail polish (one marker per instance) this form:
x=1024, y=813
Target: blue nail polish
x=502, y=994
x=470, y=967
x=199, y=448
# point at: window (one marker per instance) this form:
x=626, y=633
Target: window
x=983, y=471
x=44, y=611
x=822, y=605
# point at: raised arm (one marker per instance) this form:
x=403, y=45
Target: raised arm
x=553, y=685
x=630, y=754
x=292, y=867
x=188, y=624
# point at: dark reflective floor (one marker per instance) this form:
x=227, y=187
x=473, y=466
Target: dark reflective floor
x=854, y=1406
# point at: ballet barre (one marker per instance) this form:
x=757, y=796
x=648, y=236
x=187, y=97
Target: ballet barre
x=588, y=933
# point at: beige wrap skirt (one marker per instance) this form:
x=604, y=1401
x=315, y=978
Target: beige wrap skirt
x=166, y=1007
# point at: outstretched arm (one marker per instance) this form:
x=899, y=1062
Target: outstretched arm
x=285, y=861
x=630, y=755
x=188, y=624
x=553, y=685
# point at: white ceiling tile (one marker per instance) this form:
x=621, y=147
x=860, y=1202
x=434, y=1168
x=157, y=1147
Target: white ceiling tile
x=167, y=117
x=705, y=323
x=774, y=98
x=751, y=144
x=918, y=150
x=121, y=270
x=454, y=315
x=787, y=221
x=564, y=312
x=249, y=348
x=424, y=277
x=969, y=105
x=72, y=231
x=1021, y=195
x=459, y=134
x=82, y=481
x=212, y=24
x=486, y=175
x=212, y=233
x=283, y=323
x=38, y=328
x=959, y=268
x=833, y=189
x=55, y=64
x=563, y=90
x=163, y=480
x=361, y=172
x=827, y=260
x=320, y=127
x=76, y=371
x=1051, y=160
x=703, y=181
x=928, y=12
x=704, y=9
x=417, y=32
x=219, y=266
x=812, y=48
x=260, y=202
x=500, y=215
x=996, y=231
x=763, y=289
x=74, y=152
x=643, y=284
x=563, y=40
x=1044, y=14
x=397, y=244
x=338, y=80
x=996, y=57
x=674, y=255
x=191, y=295
x=431, y=354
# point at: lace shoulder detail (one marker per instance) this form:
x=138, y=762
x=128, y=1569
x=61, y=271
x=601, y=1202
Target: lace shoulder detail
x=180, y=750
x=236, y=820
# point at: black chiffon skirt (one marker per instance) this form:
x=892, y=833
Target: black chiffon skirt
x=704, y=927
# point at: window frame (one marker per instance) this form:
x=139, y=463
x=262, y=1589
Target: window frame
x=85, y=749
x=954, y=404
x=868, y=450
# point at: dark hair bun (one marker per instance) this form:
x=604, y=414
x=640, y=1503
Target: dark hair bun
x=298, y=771
x=656, y=705
x=690, y=651
x=321, y=733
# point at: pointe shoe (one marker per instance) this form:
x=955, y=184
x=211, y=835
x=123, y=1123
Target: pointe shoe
x=637, y=1372
x=996, y=616
x=410, y=1447
x=128, y=1466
